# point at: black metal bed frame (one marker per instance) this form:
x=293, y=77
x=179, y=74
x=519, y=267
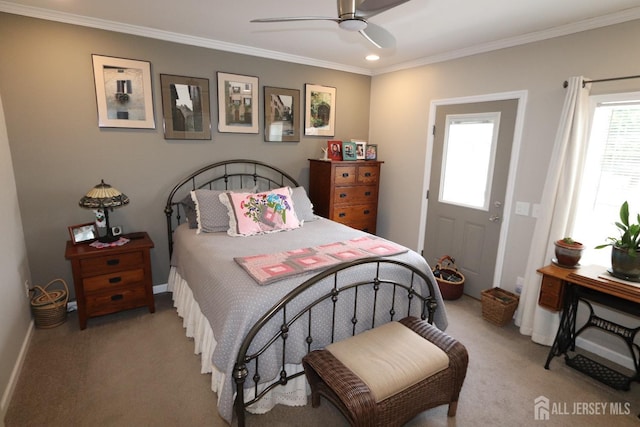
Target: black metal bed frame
x=331, y=290
x=226, y=175
x=242, y=174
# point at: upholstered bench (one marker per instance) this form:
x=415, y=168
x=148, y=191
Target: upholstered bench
x=387, y=375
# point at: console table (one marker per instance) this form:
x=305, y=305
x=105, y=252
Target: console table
x=587, y=285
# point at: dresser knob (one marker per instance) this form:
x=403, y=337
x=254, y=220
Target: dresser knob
x=115, y=279
x=367, y=174
x=342, y=214
x=367, y=193
x=115, y=261
x=343, y=195
x=366, y=211
x=116, y=297
x=345, y=175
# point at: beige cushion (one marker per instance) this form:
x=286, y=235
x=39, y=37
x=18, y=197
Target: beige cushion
x=390, y=358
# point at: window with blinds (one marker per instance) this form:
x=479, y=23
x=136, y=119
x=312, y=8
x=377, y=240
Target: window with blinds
x=611, y=174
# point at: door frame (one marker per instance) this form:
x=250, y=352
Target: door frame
x=521, y=96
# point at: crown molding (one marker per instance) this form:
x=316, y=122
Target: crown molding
x=102, y=24
x=564, y=30
x=68, y=18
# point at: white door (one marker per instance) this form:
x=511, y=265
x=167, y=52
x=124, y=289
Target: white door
x=471, y=153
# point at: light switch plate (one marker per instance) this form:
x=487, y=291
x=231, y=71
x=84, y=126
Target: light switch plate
x=522, y=208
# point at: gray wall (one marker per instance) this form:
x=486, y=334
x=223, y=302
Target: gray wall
x=400, y=108
x=14, y=304
x=59, y=152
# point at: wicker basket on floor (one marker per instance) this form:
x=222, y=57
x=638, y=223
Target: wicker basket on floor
x=49, y=307
x=498, y=305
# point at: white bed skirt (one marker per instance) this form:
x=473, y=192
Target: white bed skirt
x=197, y=327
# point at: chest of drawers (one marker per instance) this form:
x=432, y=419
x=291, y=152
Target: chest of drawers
x=346, y=191
x=112, y=279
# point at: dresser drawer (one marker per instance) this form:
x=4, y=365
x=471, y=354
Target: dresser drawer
x=368, y=174
x=107, y=264
x=113, y=280
x=116, y=300
x=363, y=194
x=365, y=224
x=355, y=213
x=345, y=175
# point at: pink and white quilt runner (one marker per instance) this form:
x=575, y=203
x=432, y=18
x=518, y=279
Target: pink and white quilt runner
x=268, y=268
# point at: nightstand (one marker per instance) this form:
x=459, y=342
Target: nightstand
x=113, y=279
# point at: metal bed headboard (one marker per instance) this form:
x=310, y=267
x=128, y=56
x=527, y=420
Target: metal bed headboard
x=234, y=174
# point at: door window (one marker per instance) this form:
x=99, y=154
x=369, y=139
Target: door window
x=468, y=159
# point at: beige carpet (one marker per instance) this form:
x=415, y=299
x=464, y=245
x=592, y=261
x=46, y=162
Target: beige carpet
x=138, y=369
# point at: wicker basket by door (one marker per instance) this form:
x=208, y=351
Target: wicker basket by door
x=450, y=280
x=49, y=307
x=498, y=305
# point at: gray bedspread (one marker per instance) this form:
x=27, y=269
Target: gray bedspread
x=232, y=301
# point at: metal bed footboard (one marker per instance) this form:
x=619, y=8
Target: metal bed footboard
x=327, y=290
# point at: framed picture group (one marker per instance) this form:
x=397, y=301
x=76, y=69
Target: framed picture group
x=351, y=150
x=124, y=99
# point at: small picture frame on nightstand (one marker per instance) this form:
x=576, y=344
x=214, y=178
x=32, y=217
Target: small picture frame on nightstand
x=83, y=232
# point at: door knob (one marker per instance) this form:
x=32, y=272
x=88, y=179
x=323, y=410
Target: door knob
x=494, y=218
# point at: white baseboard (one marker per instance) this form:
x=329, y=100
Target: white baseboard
x=15, y=373
x=595, y=348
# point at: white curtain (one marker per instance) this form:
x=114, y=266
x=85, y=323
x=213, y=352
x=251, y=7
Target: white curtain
x=559, y=200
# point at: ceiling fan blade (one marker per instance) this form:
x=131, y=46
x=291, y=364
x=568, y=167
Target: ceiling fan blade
x=296, y=18
x=368, y=8
x=378, y=36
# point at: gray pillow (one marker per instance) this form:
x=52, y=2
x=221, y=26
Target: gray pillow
x=302, y=205
x=189, y=208
x=211, y=214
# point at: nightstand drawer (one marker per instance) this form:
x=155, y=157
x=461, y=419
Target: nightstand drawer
x=113, y=280
x=117, y=300
x=351, y=195
x=551, y=293
x=345, y=175
x=107, y=264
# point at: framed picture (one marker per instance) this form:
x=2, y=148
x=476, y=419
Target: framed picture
x=83, y=232
x=237, y=103
x=319, y=110
x=185, y=107
x=349, y=150
x=360, y=149
x=123, y=92
x=334, y=150
x=371, y=152
x=281, y=114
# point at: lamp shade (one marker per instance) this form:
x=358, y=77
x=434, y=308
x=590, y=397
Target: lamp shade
x=103, y=196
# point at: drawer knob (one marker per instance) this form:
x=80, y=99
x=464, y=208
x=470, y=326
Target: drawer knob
x=366, y=230
x=366, y=211
x=345, y=175
x=116, y=297
x=115, y=261
x=115, y=279
x=342, y=214
x=367, y=193
x=343, y=195
x=367, y=174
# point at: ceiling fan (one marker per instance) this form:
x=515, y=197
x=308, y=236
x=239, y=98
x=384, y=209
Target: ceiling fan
x=352, y=16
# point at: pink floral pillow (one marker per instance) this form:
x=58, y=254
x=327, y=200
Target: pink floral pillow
x=257, y=213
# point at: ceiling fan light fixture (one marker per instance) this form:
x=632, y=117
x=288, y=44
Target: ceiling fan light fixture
x=353, y=24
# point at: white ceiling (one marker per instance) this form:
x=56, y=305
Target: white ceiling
x=426, y=31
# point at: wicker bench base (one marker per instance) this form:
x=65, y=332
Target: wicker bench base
x=329, y=378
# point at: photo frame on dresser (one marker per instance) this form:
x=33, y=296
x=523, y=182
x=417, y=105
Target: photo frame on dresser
x=319, y=110
x=281, y=114
x=371, y=152
x=237, y=103
x=185, y=107
x=123, y=92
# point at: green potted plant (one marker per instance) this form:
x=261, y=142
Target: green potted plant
x=625, y=261
x=568, y=252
